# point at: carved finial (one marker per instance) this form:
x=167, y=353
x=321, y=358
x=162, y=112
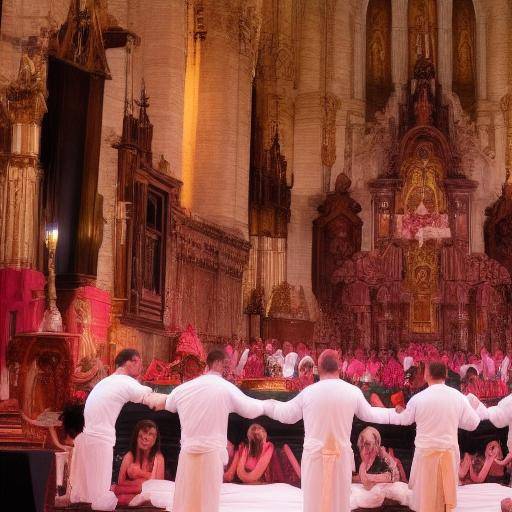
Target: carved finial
x=199, y=26
x=143, y=103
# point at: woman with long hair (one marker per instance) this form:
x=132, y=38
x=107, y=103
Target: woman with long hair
x=143, y=461
x=261, y=463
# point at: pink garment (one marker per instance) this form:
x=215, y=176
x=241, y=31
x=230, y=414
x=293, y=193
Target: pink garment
x=355, y=369
x=392, y=374
x=374, y=368
x=279, y=469
x=190, y=344
x=255, y=367
x=488, y=367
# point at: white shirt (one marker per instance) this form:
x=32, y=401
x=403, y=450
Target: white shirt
x=203, y=405
x=439, y=411
x=500, y=416
x=328, y=408
x=105, y=402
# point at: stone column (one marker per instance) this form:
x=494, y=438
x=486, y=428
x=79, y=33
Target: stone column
x=444, y=44
x=359, y=54
x=498, y=75
x=274, y=110
x=481, y=58
x=161, y=26
x=221, y=159
x=20, y=175
x=399, y=47
x=307, y=189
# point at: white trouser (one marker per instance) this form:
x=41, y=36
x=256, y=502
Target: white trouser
x=322, y=473
x=419, y=476
x=91, y=473
x=198, y=481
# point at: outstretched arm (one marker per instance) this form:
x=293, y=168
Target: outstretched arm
x=155, y=401
x=469, y=419
x=406, y=417
x=366, y=412
x=244, y=405
x=285, y=412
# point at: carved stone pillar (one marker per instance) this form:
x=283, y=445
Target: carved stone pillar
x=399, y=46
x=20, y=174
x=221, y=157
x=444, y=44
x=267, y=265
x=506, y=107
x=481, y=58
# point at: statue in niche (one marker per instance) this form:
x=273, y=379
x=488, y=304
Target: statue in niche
x=377, y=57
x=465, y=57
x=422, y=31
x=423, y=91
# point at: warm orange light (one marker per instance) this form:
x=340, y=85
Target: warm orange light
x=190, y=118
x=52, y=236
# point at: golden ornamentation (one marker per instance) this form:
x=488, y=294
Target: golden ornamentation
x=86, y=347
x=288, y=301
x=266, y=384
x=423, y=174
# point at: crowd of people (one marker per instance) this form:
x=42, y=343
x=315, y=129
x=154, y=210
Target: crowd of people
x=327, y=407
x=485, y=375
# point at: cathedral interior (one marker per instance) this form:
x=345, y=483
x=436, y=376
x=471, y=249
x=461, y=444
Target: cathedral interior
x=325, y=172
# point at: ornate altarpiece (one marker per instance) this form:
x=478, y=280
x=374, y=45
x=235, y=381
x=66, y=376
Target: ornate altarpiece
x=420, y=282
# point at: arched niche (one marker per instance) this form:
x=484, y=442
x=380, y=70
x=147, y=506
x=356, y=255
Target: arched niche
x=378, y=56
x=464, y=53
x=422, y=23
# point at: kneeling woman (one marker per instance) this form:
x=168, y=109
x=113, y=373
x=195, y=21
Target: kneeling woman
x=142, y=462
x=261, y=463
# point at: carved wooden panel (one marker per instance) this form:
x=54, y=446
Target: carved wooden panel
x=336, y=237
x=378, y=56
x=269, y=193
x=464, y=53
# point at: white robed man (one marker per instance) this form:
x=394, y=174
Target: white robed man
x=93, y=453
x=328, y=408
x=438, y=411
x=499, y=415
x=203, y=405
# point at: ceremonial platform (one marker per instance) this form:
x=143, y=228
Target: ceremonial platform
x=286, y=498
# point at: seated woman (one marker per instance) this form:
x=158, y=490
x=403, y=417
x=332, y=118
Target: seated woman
x=142, y=462
x=489, y=468
x=261, y=463
x=377, y=465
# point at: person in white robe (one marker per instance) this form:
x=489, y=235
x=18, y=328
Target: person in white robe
x=438, y=411
x=93, y=453
x=203, y=405
x=328, y=408
x=499, y=415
